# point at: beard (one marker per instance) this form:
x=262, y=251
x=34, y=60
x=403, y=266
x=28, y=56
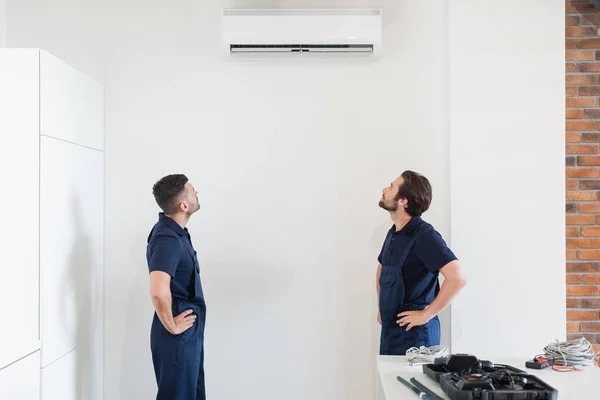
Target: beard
x=390, y=206
x=193, y=208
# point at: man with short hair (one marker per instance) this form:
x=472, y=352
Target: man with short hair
x=177, y=333
x=412, y=257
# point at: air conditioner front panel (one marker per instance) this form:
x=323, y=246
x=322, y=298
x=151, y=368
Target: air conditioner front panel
x=336, y=28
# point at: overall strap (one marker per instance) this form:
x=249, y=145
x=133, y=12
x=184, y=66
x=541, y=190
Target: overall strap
x=420, y=231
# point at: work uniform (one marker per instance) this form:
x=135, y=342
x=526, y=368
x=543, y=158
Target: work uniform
x=411, y=259
x=178, y=359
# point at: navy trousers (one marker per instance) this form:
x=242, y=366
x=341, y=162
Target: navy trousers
x=179, y=359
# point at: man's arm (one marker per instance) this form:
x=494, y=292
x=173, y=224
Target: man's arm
x=378, y=275
x=454, y=281
x=162, y=265
x=160, y=291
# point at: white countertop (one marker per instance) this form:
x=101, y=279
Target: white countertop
x=572, y=385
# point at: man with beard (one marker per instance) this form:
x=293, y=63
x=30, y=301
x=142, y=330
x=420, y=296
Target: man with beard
x=177, y=333
x=413, y=255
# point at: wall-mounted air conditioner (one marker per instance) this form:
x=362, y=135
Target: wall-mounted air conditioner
x=255, y=33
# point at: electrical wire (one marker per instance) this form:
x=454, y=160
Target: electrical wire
x=571, y=353
x=425, y=355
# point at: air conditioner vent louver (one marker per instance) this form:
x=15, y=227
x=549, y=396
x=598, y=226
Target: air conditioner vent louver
x=300, y=48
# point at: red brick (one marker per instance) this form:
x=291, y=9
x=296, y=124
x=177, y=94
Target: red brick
x=571, y=184
x=580, y=220
x=570, y=67
x=573, y=303
x=588, y=43
x=583, y=267
x=572, y=20
x=589, y=90
x=588, y=161
x=590, y=19
x=573, y=231
x=589, y=336
x=571, y=255
x=572, y=326
x=570, y=44
x=582, y=315
x=591, y=279
x=582, y=148
x=589, y=184
x=592, y=114
x=581, y=8
x=571, y=208
x=589, y=208
x=578, y=31
x=590, y=231
x=571, y=91
x=582, y=196
x=570, y=161
x=588, y=255
x=583, y=101
x=574, y=113
x=578, y=291
x=583, y=173
x=590, y=137
x=581, y=55
x=589, y=327
x=591, y=303
x=583, y=243
x=574, y=279
x=581, y=125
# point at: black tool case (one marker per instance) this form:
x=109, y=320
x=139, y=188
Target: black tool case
x=435, y=373
x=503, y=383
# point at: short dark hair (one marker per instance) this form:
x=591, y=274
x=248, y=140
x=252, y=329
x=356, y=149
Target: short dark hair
x=416, y=189
x=167, y=190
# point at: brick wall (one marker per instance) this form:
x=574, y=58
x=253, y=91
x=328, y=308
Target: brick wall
x=582, y=41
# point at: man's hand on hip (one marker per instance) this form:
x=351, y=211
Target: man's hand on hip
x=413, y=318
x=182, y=322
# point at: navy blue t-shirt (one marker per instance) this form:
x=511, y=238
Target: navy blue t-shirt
x=166, y=252
x=421, y=267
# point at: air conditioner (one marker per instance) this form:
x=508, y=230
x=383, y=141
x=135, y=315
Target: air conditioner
x=255, y=33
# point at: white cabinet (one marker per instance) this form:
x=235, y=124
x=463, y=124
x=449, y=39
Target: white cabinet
x=19, y=202
x=51, y=165
x=90, y=113
x=59, y=380
x=58, y=97
x=70, y=262
x=21, y=380
x=72, y=105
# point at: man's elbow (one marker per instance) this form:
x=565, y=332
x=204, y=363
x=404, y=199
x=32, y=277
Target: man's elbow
x=159, y=294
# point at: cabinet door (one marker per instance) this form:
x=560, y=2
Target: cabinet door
x=21, y=380
x=71, y=243
x=59, y=380
x=58, y=98
x=71, y=104
x=19, y=202
x=90, y=113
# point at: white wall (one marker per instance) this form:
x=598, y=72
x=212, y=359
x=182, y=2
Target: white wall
x=2, y=23
x=507, y=166
x=72, y=30
x=289, y=160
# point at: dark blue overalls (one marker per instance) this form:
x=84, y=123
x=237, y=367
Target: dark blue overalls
x=410, y=259
x=178, y=359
